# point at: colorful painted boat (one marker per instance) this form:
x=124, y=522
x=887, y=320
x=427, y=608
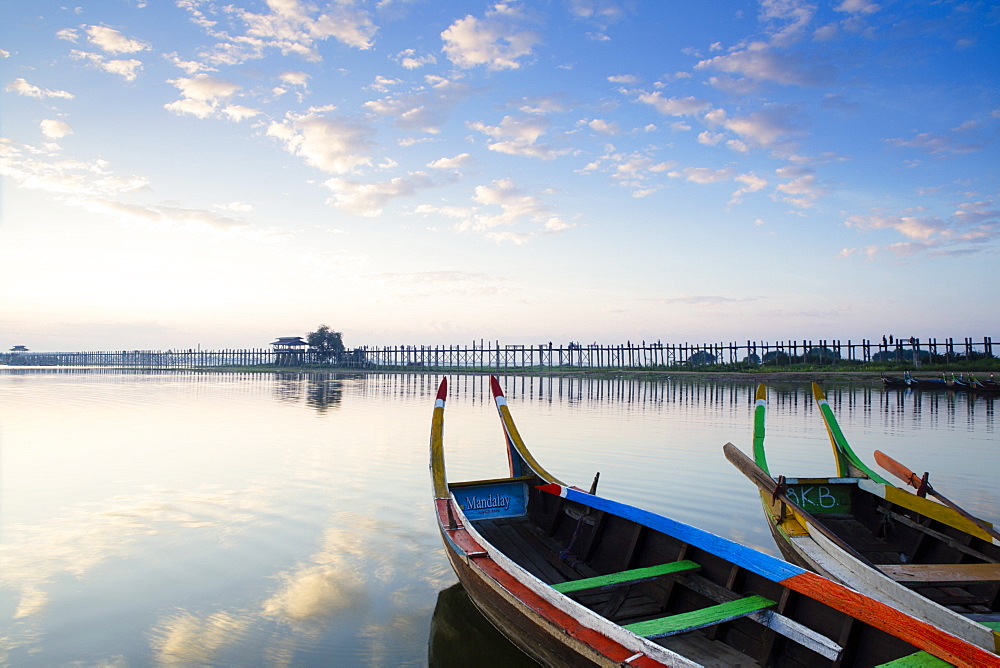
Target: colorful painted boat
x=908, y=381
x=988, y=387
x=919, y=556
x=575, y=579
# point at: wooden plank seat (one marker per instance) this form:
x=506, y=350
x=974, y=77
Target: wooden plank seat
x=942, y=573
x=697, y=619
x=626, y=577
x=799, y=633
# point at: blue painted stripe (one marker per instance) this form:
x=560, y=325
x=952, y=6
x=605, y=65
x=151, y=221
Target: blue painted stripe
x=749, y=558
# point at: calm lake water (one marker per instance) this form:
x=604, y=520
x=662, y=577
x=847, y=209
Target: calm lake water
x=262, y=519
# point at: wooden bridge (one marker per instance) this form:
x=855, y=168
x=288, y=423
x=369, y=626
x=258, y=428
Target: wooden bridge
x=484, y=355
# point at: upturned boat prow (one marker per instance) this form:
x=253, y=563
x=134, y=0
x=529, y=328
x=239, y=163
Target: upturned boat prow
x=926, y=559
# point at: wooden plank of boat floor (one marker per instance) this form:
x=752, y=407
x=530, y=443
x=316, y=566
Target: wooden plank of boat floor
x=855, y=534
x=538, y=554
x=635, y=605
x=518, y=538
x=697, y=647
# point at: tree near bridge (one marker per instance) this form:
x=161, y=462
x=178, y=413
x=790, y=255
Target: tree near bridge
x=325, y=344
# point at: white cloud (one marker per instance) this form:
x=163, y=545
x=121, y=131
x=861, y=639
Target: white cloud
x=543, y=104
x=127, y=69
x=519, y=136
x=710, y=138
x=112, y=41
x=500, y=206
x=241, y=207
x=383, y=83
x=766, y=127
x=772, y=59
x=764, y=64
x=602, y=126
x=424, y=109
x=911, y=227
x=409, y=59
x=630, y=170
x=191, y=219
x=785, y=21
x=191, y=107
x=601, y=11
x=238, y=112
x=457, y=162
x=702, y=175
x=92, y=186
x=22, y=87
x=291, y=27
x=202, y=94
x=55, y=129
x=673, y=106
x=934, y=144
x=368, y=199
x=801, y=191
x=336, y=146
x=206, y=88
x=191, y=67
x=857, y=7
x=496, y=41
x=28, y=167
x=751, y=183
x=294, y=78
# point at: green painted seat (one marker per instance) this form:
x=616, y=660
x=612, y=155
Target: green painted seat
x=626, y=577
x=918, y=660
x=697, y=619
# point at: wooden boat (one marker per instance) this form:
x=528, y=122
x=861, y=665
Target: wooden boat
x=908, y=381
x=987, y=387
x=919, y=556
x=895, y=383
x=576, y=579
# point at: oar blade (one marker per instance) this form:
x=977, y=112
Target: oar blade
x=897, y=469
x=912, y=479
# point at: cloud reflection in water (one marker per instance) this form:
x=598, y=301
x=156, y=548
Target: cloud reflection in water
x=362, y=565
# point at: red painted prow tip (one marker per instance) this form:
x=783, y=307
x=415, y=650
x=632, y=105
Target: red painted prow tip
x=443, y=389
x=551, y=488
x=495, y=387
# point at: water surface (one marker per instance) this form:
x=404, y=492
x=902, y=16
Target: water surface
x=251, y=519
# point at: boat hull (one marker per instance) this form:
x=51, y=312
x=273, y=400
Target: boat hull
x=522, y=626
x=572, y=578
x=855, y=527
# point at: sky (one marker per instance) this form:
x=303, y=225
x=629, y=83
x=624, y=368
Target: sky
x=182, y=173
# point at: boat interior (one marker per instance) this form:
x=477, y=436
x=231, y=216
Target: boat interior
x=682, y=597
x=945, y=564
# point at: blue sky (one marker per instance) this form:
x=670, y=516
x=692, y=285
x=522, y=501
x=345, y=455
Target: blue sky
x=218, y=174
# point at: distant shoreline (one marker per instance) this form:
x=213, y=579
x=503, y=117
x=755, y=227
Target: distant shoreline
x=874, y=377
x=867, y=376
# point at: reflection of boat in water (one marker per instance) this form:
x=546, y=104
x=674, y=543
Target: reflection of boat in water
x=462, y=636
x=576, y=579
x=930, y=560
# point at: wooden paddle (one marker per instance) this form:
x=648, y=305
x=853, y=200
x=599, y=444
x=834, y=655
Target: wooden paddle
x=913, y=480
